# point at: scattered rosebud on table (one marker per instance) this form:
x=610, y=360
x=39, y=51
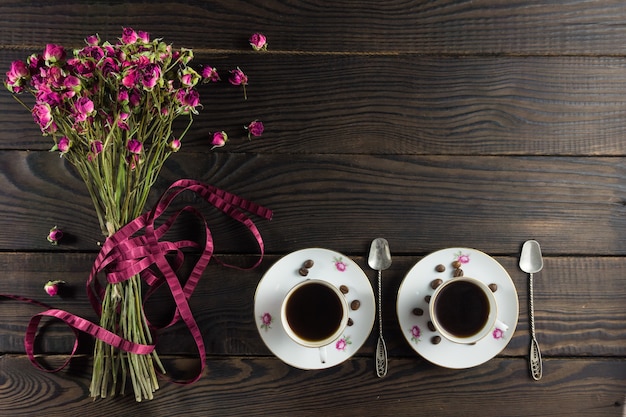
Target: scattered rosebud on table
x=55, y=235
x=238, y=77
x=255, y=128
x=219, y=139
x=52, y=287
x=258, y=41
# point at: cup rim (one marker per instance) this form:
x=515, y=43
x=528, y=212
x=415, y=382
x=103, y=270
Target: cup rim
x=319, y=343
x=491, y=319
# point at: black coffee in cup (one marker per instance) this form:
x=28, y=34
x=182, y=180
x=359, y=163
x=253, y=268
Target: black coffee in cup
x=314, y=312
x=462, y=308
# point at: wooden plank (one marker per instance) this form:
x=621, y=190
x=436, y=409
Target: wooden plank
x=579, y=305
x=453, y=27
x=573, y=205
x=407, y=104
x=265, y=386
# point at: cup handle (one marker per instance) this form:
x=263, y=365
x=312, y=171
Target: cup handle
x=501, y=325
x=323, y=356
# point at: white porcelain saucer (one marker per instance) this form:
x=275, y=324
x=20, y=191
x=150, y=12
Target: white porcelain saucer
x=412, y=307
x=330, y=266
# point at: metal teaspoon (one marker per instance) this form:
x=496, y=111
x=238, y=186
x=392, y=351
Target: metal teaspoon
x=531, y=262
x=380, y=259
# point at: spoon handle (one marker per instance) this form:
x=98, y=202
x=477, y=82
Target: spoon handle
x=536, y=367
x=535, y=360
x=381, y=348
x=381, y=358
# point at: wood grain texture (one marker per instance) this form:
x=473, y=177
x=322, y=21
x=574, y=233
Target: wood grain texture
x=265, y=386
x=492, y=203
x=395, y=26
x=579, y=308
x=409, y=104
x=435, y=124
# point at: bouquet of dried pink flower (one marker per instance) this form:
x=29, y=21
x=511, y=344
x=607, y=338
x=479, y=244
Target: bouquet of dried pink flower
x=110, y=110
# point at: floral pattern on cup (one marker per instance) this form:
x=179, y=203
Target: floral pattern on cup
x=416, y=332
x=343, y=343
x=464, y=258
x=340, y=264
x=498, y=333
x=266, y=321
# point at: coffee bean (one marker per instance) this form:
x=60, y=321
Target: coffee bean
x=431, y=326
x=435, y=283
x=427, y=298
x=355, y=305
x=418, y=311
x=308, y=263
x=456, y=264
x=440, y=268
x=350, y=322
x=458, y=272
x=493, y=287
x=303, y=271
x=435, y=340
x=344, y=289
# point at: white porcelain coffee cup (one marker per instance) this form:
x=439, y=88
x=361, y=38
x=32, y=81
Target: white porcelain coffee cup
x=314, y=313
x=464, y=310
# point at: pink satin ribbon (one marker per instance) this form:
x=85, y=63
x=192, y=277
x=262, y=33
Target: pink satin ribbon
x=129, y=252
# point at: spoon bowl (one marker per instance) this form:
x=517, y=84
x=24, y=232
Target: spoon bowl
x=530, y=260
x=379, y=257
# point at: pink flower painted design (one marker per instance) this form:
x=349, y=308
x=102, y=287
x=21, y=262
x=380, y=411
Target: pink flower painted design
x=343, y=343
x=266, y=321
x=340, y=264
x=498, y=333
x=415, y=334
x=464, y=258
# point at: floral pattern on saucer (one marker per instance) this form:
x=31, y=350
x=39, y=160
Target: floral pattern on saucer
x=332, y=267
x=414, y=295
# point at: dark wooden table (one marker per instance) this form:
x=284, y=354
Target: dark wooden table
x=434, y=124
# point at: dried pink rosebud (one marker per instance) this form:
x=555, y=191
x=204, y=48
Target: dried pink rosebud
x=52, y=287
x=219, y=139
x=92, y=40
x=129, y=36
x=210, y=74
x=53, y=53
x=144, y=36
x=134, y=146
x=175, y=145
x=55, y=235
x=258, y=41
x=16, y=76
x=255, y=128
x=42, y=113
x=237, y=77
x=64, y=145
x=83, y=108
x=96, y=147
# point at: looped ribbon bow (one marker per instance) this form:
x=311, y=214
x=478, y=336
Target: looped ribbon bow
x=128, y=253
